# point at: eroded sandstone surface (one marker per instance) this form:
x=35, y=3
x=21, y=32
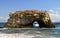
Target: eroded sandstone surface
x=25, y=19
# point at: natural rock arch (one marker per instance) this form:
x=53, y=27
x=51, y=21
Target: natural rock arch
x=24, y=19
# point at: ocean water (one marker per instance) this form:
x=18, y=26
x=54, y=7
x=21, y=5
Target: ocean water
x=33, y=32
x=2, y=24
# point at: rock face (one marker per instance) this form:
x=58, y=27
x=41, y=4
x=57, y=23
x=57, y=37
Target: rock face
x=25, y=19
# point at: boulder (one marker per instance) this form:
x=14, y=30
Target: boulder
x=25, y=19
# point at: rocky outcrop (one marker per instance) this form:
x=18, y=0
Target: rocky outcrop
x=25, y=19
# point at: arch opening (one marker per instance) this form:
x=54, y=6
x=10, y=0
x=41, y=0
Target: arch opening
x=39, y=24
x=35, y=24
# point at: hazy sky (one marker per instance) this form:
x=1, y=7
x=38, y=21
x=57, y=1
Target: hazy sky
x=7, y=6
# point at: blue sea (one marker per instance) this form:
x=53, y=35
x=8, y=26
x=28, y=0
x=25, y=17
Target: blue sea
x=34, y=32
x=2, y=24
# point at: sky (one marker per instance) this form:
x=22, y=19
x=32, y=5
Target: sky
x=7, y=6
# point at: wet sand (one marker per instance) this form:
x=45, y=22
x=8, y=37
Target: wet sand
x=27, y=33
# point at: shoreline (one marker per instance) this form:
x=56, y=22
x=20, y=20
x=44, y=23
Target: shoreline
x=27, y=33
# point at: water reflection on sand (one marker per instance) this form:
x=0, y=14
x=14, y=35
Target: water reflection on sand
x=29, y=33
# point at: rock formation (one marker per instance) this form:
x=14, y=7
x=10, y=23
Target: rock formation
x=25, y=19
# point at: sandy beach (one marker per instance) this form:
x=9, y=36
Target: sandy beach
x=27, y=33
x=18, y=35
